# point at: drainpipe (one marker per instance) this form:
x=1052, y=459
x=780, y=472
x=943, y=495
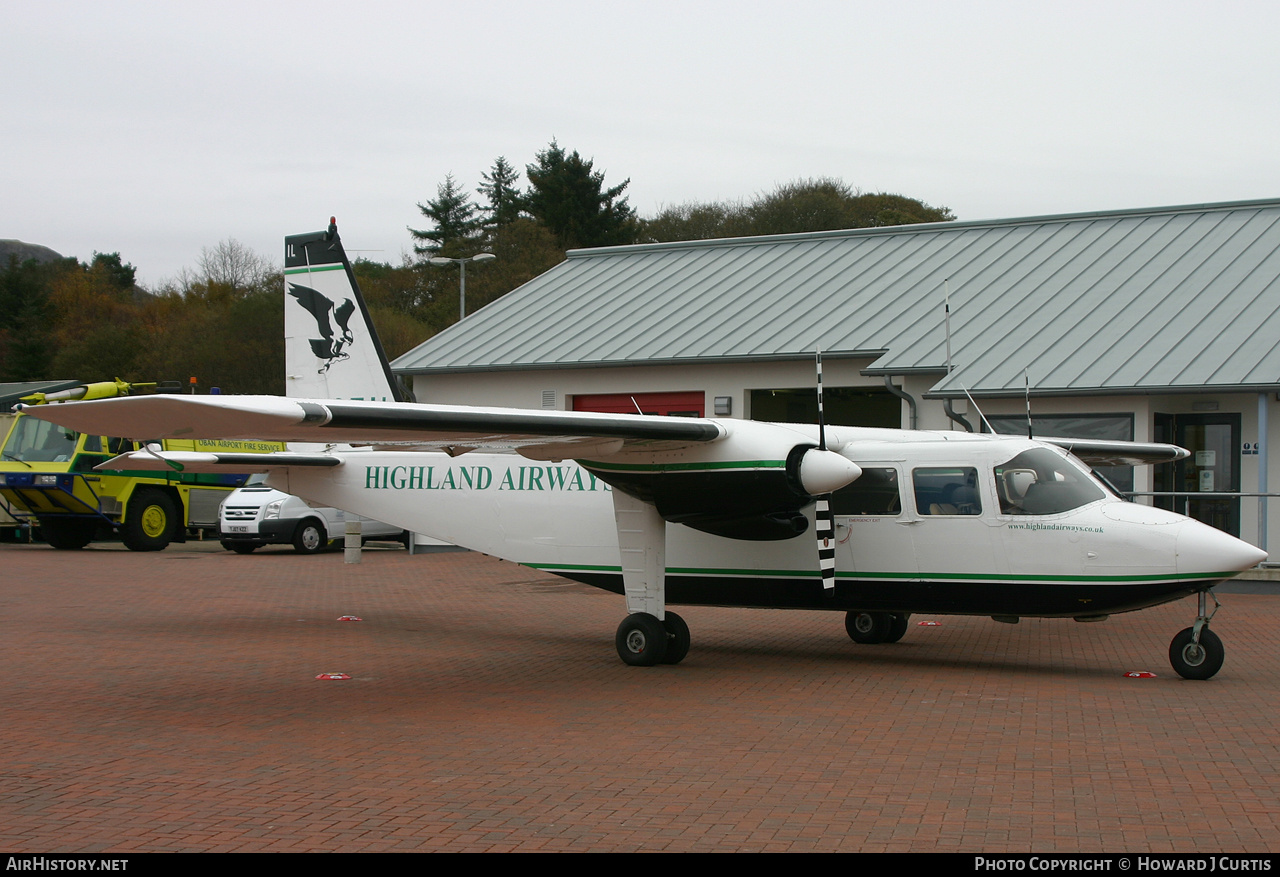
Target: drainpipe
x=905, y=396
x=1263, y=443
x=956, y=418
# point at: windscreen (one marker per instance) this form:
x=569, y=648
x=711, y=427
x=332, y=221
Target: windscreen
x=1040, y=482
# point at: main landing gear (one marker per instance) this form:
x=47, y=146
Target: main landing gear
x=1197, y=652
x=870, y=628
x=644, y=641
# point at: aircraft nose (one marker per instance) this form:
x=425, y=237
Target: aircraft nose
x=1202, y=548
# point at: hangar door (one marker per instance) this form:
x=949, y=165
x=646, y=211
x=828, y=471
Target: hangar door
x=843, y=406
x=691, y=403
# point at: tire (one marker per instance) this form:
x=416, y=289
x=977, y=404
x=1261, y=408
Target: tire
x=67, y=534
x=1196, y=662
x=868, y=628
x=310, y=537
x=641, y=640
x=239, y=547
x=677, y=638
x=898, y=627
x=150, y=522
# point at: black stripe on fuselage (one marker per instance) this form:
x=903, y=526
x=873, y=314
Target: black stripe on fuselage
x=939, y=597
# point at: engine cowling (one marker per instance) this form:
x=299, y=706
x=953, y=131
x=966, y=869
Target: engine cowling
x=758, y=500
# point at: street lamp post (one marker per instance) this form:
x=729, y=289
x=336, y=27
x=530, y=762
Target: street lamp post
x=462, y=275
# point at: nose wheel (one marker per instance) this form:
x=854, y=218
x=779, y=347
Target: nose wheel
x=1197, y=652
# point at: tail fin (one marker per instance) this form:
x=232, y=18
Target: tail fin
x=331, y=350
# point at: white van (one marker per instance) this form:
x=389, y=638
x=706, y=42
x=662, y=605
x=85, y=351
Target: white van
x=256, y=515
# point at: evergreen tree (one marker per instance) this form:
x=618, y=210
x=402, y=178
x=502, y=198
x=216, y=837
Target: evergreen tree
x=568, y=197
x=499, y=187
x=453, y=215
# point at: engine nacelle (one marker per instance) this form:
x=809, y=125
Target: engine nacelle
x=756, y=500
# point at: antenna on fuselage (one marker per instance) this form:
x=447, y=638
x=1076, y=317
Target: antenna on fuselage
x=985, y=422
x=946, y=310
x=1026, y=379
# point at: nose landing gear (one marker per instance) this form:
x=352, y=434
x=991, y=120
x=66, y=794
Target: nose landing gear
x=1197, y=652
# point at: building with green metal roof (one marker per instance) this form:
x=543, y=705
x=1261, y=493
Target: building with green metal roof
x=1151, y=324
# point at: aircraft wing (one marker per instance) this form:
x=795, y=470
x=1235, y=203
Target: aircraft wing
x=450, y=428
x=1098, y=452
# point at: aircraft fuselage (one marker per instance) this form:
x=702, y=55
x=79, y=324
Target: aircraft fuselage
x=938, y=523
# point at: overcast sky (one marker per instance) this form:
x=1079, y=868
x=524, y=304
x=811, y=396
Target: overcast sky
x=157, y=129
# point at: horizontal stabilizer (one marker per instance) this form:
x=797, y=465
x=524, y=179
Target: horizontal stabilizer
x=197, y=461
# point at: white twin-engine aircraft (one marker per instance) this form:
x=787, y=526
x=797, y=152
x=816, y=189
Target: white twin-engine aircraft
x=672, y=510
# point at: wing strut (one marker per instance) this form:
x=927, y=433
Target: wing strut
x=650, y=634
x=642, y=542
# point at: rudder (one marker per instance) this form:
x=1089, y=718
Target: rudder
x=331, y=348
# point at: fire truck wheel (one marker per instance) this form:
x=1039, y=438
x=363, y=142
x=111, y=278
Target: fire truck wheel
x=67, y=534
x=150, y=522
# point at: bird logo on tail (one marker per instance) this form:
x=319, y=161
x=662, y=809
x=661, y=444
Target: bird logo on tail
x=330, y=346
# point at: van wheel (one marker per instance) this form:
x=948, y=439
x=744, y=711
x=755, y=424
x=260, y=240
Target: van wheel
x=310, y=537
x=151, y=521
x=239, y=547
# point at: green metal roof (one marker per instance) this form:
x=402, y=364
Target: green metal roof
x=1147, y=300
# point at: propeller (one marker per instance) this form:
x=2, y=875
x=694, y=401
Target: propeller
x=824, y=523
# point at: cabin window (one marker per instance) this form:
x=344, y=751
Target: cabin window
x=874, y=493
x=947, y=491
x=1041, y=482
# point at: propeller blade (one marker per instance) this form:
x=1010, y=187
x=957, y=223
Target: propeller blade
x=822, y=423
x=824, y=524
x=825, y=529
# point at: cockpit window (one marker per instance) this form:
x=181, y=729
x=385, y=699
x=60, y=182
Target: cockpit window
x=1040, y=482
x=947, y=491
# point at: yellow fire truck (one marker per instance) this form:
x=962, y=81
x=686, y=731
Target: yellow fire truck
x=47, y=474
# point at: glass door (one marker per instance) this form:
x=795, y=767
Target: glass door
x=1214, y=466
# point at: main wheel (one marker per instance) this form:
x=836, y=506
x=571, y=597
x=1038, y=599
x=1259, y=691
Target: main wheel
x=677, y=638
x=67, y=534
x=310, y=537
x=641, y=640
x=150, y=521
x=898, y=627
x=1196, y=660
x=868, y=628
x=239, y=547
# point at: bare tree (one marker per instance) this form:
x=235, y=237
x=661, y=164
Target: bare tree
x=232, y=264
